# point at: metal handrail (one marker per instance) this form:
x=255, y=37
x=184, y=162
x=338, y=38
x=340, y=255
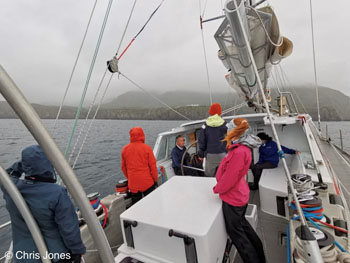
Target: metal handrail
x=22, y=207
x=31, y=120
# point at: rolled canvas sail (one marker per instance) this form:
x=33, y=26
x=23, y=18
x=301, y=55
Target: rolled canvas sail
x=266, y=45
x=283, y=51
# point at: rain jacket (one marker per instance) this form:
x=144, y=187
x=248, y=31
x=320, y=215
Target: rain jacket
x=230, y=176
x=268, y=152
x=50, y=205
x=211, y=136
x=138, y=162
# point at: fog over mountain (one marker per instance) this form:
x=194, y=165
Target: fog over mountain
x=334, y=105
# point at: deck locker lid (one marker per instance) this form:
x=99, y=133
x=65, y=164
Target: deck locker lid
x=186, y=205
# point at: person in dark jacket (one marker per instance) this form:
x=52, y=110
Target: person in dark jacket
x=50, y=206
x=268, y=157
x=210, y=140
x=176, y=156
x=139, y=165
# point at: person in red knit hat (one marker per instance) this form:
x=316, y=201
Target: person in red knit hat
x=210, y=139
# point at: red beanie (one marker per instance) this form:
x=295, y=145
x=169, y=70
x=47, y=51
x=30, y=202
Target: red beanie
x=215, y=108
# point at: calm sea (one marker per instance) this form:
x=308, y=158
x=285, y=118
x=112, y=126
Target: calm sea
x=98, y=167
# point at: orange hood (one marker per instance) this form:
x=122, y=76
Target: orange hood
x=137, y=135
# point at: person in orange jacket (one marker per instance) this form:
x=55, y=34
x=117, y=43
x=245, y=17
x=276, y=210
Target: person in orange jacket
x=139, y=165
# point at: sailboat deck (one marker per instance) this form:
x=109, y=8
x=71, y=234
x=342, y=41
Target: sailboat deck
x=272, y=229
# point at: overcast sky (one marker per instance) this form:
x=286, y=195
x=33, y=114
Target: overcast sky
x=40, y=40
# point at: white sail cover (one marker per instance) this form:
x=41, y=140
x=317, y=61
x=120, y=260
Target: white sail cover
x=259, y=23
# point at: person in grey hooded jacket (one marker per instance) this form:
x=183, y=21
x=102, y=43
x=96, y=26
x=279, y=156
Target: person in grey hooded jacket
x=51, y=207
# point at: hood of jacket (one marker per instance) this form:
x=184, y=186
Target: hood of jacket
x=137, y=135
x=215, y=121
x=35, y=164
x=15, y=169
x=249, y=140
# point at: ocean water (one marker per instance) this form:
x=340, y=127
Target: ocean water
x=98, y=167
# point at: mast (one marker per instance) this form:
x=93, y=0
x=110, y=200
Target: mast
x=31, y=120
x=309, y=241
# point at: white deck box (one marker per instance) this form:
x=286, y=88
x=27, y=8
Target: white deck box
x=185, y=205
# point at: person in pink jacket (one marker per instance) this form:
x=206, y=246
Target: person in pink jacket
x=233, y=190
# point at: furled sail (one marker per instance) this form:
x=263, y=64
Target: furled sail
x=267, y=45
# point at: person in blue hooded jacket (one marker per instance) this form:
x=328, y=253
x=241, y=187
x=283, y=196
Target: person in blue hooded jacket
x=268, y=157
x=210, y=141
x=50, y=206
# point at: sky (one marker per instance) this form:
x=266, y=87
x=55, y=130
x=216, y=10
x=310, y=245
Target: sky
x=40, y=41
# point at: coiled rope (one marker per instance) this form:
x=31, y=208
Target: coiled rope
x=95, y=204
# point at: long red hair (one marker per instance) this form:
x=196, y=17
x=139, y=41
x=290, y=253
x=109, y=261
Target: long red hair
x=241, y=126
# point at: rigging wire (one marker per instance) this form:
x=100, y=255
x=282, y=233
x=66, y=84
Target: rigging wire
x=97, y=92
x=133, y=39
x=126, y=27
x=315, y=69
x=155, y=97
x=91, y=121
x=234, y=108
x=295, y=92
x=74, y=67
x=89, y=76
x=269, y=115
x=204, y=51
x=206, y=66
x=205, y=6
x=87, y=116
x=284, y=83
x=93, y=102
